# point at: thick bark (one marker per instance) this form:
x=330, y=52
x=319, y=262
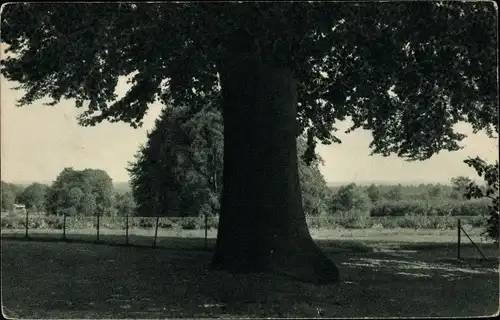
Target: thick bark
x=262, y=226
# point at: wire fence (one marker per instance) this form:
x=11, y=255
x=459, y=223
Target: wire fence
x=127, y=230
x=146, y=231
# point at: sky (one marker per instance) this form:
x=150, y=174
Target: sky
x=38, y=141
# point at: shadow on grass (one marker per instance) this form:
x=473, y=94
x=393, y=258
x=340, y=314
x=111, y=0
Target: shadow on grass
x=177, y=242
x=136, y=241
x=444, y=252
x=45, y=279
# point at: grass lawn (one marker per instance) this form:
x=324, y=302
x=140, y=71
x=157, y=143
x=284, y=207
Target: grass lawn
x=386, y=274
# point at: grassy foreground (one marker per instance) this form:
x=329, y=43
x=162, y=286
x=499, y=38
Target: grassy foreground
x=382, y=277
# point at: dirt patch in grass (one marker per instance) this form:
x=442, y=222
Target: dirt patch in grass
x=77, y=280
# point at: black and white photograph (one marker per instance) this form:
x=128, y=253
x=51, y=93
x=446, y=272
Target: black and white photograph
x=249, y=159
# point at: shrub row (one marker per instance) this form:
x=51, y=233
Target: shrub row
x=427, y=208
x=356, y=219
x=349, y=220
x=413, y=222
x=56, y=222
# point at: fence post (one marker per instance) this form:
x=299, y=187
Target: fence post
x=156, y=231
x=26, y=225
x=206, y=231
x=98, y=222
x=458, y=239
x=126, y=230
x=64, y=225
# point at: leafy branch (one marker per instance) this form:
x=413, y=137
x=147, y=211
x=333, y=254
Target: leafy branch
x=490, y=173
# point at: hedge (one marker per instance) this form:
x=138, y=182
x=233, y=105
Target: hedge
x=434, y=208
x=348, y=220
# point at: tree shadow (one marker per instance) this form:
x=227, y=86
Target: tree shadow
x=163, y=283
x=135, y=241
x=445, y=251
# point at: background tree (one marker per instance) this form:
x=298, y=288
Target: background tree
x=99, y=184
x=373, y=193
x=315, y=192
x=178, y=171
x=283, y=69
x=8, y=197
x=395, y=193
x=58, y=192
x=436, y=191
x=183, y=158
x=73, y=202
x=350, y=197
x=460, y=186
x=34, y=196
x=86, y=191
x=125, y=204
x=200, y=170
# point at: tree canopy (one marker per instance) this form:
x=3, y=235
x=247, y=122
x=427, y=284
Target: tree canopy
x=85, y=192
x=350, y=197
x=460, y=186
x=34, y=196
x=178, y=171
x=438, y=58
x=125, y=204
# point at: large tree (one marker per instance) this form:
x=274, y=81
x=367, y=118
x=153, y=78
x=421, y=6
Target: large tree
x=282, y=68
x=178, y=171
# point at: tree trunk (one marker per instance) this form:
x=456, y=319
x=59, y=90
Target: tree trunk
x=262, y=226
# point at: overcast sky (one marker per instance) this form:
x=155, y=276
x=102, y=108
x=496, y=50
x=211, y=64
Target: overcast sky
x=37, y=142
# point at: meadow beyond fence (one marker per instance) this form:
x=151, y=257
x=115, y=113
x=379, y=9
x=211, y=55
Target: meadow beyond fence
x=147, y=225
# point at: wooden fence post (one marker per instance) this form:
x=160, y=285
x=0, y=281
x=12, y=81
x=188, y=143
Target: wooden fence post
x=126, y=230
x=98, y=222
x=26, y=224
x=64, y=225
x=458, y=238
x=206, y=231
x=156, y=231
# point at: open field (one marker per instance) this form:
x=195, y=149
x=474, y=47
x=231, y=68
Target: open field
x=144, y=236
x=395, y=274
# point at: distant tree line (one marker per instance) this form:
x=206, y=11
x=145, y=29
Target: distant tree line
x=74, y=192
x=91, y=191
x=354, y=196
